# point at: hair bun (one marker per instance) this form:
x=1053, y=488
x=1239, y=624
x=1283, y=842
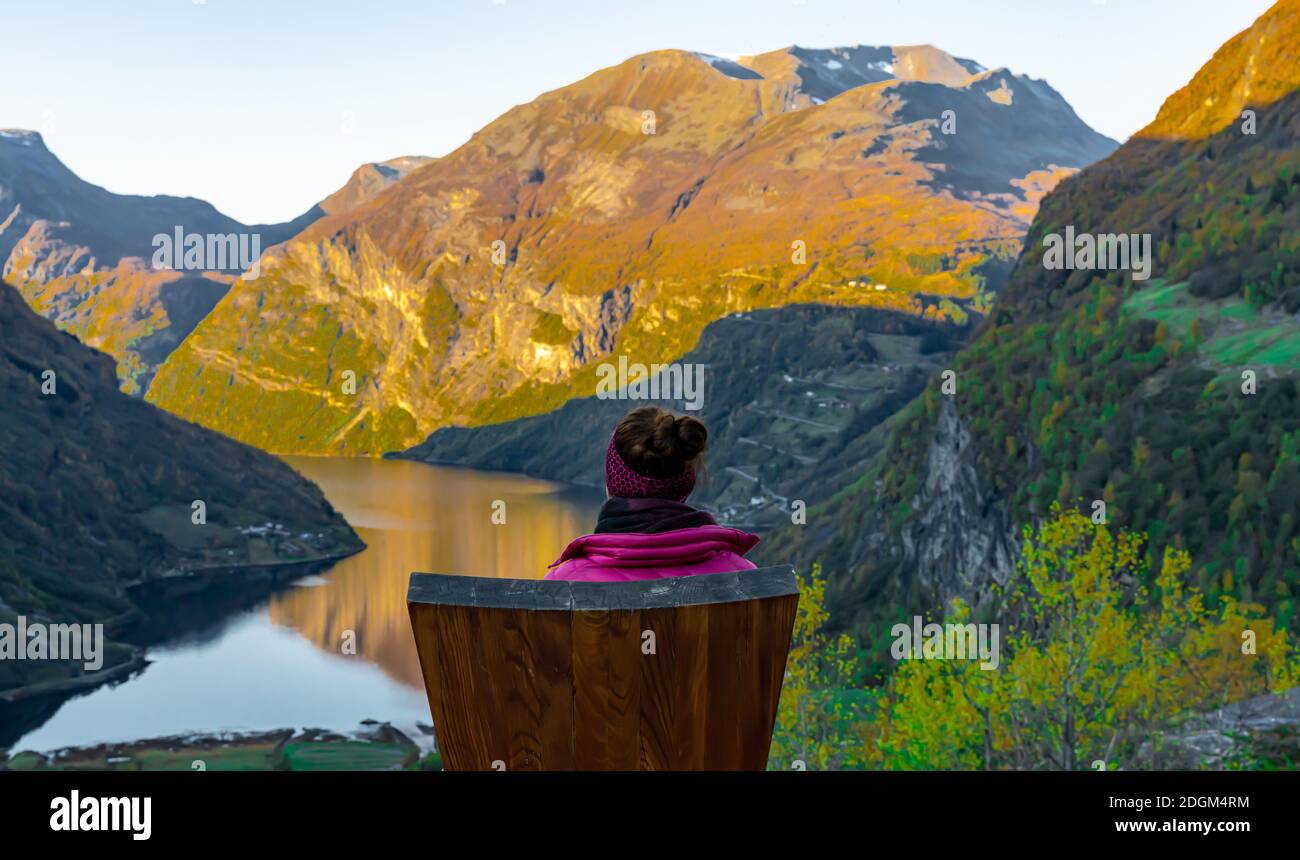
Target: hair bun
x=691, y=435
x=664, y=437
x=656, y=443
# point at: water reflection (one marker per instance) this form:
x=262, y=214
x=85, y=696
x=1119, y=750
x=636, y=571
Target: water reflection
x=415, y=517
x=279, y=664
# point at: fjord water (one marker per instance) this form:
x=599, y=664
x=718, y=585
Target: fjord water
x=282, y=664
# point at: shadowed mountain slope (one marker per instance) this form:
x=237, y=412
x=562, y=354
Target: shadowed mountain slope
x=790, y=396
x=97, y=492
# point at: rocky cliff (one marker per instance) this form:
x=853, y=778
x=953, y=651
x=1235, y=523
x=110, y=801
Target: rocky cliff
x=83, y=257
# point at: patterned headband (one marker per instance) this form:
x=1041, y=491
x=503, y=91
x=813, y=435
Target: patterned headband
x=621, y=481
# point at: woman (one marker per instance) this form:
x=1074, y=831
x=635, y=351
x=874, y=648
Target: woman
x=645, y=530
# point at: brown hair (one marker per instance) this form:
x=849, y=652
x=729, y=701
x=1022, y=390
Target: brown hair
x=658, y=444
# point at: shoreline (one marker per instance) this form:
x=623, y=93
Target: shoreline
x=183, y=583
x=374, y=745
x=206, y=576
x=77, y=683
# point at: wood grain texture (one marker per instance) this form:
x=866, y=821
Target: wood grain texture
x=542, y=675
x=606, y=688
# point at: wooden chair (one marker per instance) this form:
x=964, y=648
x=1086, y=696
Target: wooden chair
x=667, y=674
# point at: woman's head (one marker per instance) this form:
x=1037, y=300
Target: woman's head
x=655, y=454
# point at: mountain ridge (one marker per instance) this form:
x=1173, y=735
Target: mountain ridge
x=622, y=212
x=83, y=256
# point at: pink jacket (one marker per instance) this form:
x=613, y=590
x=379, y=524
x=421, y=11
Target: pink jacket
x=625, y=557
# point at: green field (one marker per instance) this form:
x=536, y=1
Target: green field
x=383, y=748
x=1230, y=332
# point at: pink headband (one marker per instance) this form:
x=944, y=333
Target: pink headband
x=621, y=481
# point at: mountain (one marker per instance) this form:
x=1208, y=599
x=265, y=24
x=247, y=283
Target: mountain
x=1174, y=400
x=82, y=256
x=790, y=396
x=368, y=181
x=97, y=492
x=621, y=215
x=819, y=74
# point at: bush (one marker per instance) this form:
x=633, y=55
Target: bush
x=1093, y=666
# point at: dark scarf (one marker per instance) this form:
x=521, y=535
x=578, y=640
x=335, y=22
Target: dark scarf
x=649, y=516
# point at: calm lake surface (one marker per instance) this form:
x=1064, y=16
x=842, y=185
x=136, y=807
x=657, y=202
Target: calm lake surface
x=280, y=664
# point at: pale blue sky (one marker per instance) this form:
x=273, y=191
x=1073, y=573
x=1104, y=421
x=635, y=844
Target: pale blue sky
x=264, y=106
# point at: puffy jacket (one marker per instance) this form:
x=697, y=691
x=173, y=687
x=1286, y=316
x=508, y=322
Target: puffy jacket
x=626, y=557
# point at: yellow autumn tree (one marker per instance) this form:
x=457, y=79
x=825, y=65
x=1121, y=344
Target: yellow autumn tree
x=1094, y=665
x=822, y=700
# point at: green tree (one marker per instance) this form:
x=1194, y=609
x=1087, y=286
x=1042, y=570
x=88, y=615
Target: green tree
x=822, y=700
